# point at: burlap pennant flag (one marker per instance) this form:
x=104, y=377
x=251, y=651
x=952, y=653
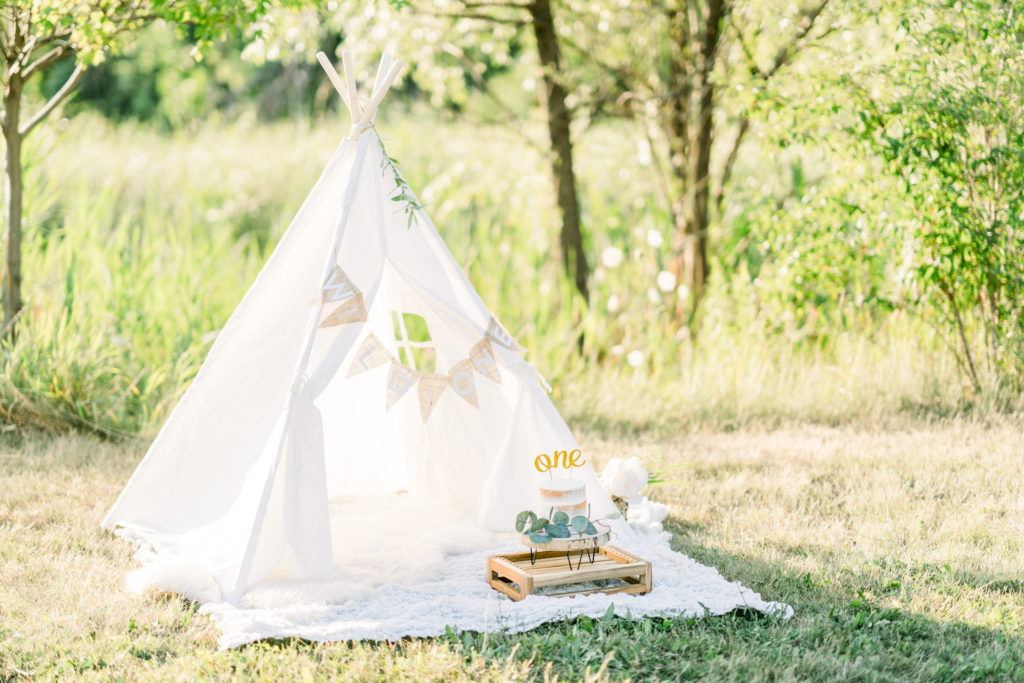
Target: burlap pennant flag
x=483, y=359
x=338, y=287
x=400, y=381
x=431, y=387
x=463, y=381
x=498, y=333
x=350, y=311
x=371, y=354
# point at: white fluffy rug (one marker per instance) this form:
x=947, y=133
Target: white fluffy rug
x=378, y=593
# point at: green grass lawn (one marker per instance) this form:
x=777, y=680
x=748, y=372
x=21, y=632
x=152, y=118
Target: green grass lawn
x=899, y=548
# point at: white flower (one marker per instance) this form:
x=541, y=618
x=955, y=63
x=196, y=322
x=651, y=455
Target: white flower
x=653, y=296
x=611, y=257
x=613, y=303
x=666, y=281
x=683, y=292
x=624, y=478
x=647, y=515
x=635, y=358
x=654, y=238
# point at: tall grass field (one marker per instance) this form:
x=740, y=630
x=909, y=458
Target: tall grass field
x=140, y=244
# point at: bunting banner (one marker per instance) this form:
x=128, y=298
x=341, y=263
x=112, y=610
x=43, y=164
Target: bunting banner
x=463, y=382
x=371, y=354
x=461, y=377
x=482, y=356
x=498, y=333
x=339, y=289
x=431, y=386
x=400, y=381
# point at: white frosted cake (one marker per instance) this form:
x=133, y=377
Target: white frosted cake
x=568, y=495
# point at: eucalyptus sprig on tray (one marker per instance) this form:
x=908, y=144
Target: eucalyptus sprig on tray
x=556, y=525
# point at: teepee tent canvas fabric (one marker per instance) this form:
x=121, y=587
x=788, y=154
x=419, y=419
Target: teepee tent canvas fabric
x=311, y=393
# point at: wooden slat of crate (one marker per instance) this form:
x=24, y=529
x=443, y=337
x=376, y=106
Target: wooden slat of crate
x=628, y=589
x=514, y=576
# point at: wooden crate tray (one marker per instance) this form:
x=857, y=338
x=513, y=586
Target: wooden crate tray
x=516, y=577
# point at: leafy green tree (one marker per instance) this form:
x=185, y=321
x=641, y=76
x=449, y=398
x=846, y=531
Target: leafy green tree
x=670, y=64
x=950, y=124
x=694, y=82
x=36, y=35
x=689, y=71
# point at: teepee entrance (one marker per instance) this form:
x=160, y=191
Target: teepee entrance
x=360, y=364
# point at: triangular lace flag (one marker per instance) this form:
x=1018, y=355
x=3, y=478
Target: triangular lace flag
x=339, y=288
x=463, y=381
x=482, y=356
x=400, y=381
x=431, y=387
x=371, y=354
x=498, y=333
x=351, y=311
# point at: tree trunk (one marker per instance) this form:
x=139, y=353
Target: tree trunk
x=13, y=139
x=677, y=116
x=574, y=258
x=692, y=265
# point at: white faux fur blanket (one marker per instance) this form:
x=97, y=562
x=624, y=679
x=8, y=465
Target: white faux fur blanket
x=377, y=593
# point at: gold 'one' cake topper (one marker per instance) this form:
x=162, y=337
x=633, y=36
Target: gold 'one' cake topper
x=566, y=459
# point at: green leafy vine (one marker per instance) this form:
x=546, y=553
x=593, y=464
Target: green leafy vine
x=402, y=191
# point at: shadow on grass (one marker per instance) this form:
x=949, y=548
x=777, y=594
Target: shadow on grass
x=841, y=630
x=852, y=628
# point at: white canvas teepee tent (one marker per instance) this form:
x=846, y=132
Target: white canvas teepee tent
x=311, y=390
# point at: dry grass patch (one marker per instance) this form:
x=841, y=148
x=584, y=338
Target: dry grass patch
x=901, y=551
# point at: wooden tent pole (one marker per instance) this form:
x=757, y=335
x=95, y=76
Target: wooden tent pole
x=382, y=70
x=350, y=78
x=378, y=95
x=332, y=75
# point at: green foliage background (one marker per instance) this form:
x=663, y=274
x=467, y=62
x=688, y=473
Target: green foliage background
x=152, y=206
